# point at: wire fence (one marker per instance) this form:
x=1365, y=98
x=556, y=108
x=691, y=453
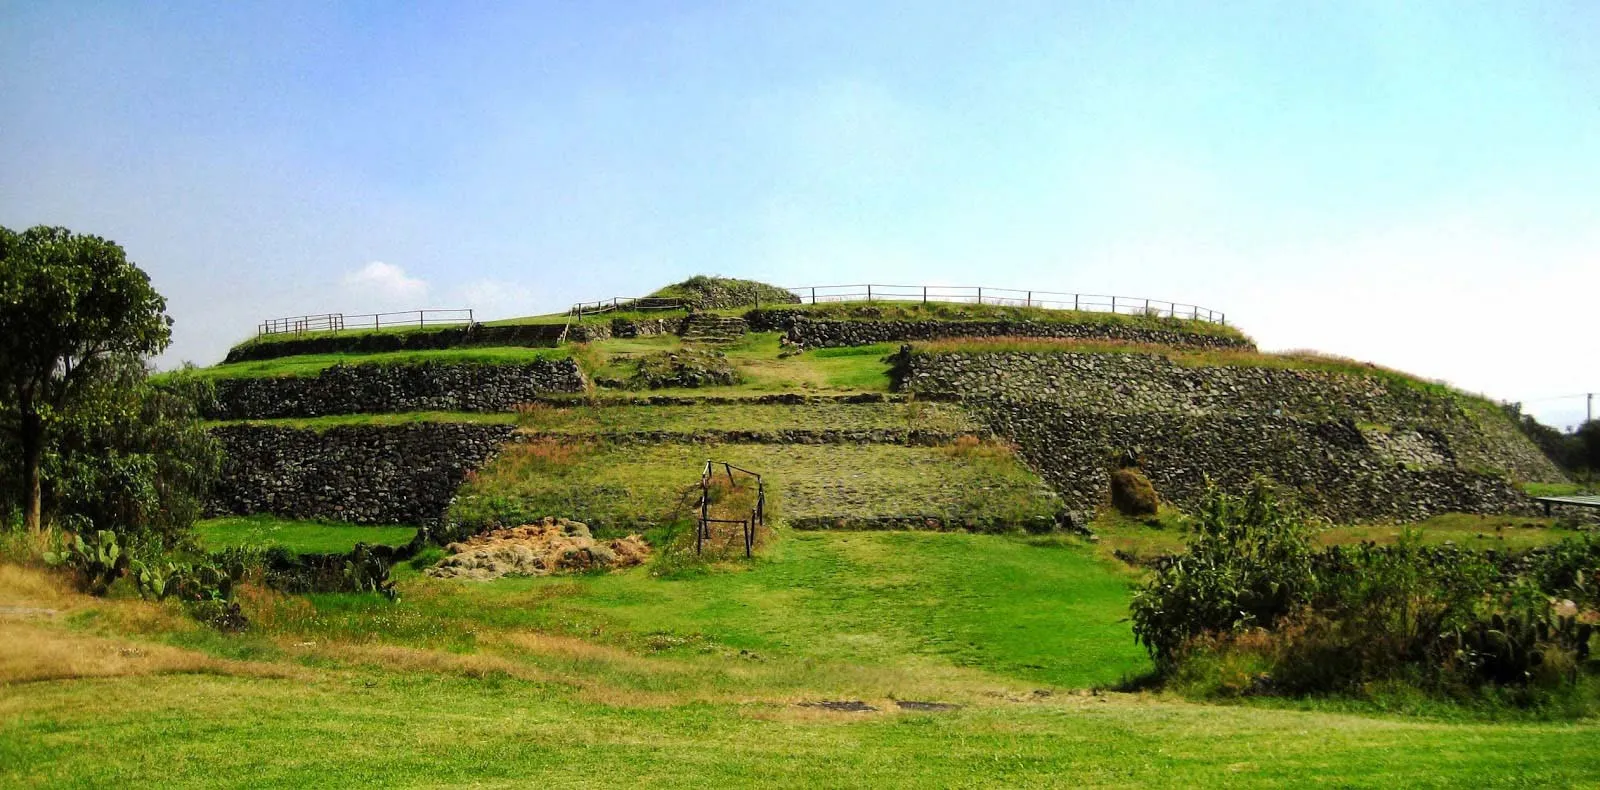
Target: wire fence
x=339, y=322
x=629, y=303
x=1008, y=297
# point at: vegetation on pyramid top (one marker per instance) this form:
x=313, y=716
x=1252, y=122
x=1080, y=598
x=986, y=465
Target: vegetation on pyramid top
x=718, y=293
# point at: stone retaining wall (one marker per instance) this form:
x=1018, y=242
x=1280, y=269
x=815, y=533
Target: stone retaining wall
x=533, y=335
x=369, y=388
x=359, y=474
x=825, y=333
x=1357, y=448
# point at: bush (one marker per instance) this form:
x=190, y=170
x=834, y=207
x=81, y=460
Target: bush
x=1248, y=565
x=1132, y=493
x=1250, y=609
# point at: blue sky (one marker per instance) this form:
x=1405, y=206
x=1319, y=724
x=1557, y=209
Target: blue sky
x=1416, y=185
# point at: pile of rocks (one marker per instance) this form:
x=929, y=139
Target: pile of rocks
x=553, y=545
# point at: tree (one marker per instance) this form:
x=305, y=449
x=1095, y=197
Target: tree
x=131, y=451
x=68, y=303
x=1588, y=445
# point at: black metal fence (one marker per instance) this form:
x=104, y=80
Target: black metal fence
x=748, y=525
x=338, y=322
x=1008, y=297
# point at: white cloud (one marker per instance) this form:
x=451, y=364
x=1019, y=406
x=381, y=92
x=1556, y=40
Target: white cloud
x=387, y=283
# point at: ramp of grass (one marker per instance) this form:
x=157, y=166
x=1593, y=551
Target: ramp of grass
x=298, y=536
x=631, y=487
x=312, y=364
x=940, y=418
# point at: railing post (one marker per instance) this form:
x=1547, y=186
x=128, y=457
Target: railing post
x=813, y=295
x=1074, y=303
x=1113, y=304
x=869, y=292
x=419, y=319
x=924, y=294
x=1147, y=307
x=980, y=294
x=1030, y=299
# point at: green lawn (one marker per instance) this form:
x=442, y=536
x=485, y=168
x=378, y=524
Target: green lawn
x=595, y=681
x=305, y=537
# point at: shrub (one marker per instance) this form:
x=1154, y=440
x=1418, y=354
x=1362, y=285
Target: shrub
x=1248, y=565
x=1132, y=493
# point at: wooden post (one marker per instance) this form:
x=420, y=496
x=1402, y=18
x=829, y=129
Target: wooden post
x=813, y=294
x=1030, y=298
x=980, y=294
x=1074, y=302
x=420, y=319
x=869, y=292
x=924, y=294
x=1113, y=304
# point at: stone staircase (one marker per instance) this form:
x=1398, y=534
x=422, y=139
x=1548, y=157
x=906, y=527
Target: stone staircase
x=712, y=328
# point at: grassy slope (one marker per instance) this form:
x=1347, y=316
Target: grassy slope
x=299, y=536
x=603, y=680
x=626, y=486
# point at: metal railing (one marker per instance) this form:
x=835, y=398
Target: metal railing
x=338, y=322
x=748, y=525
x=617, y=303
x=1007, y=297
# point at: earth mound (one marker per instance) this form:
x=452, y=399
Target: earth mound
x=716, y=293
x=553, y=545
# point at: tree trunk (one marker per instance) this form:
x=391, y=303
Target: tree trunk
x=32, y=454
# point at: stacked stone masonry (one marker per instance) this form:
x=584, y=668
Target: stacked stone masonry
x=370, y=388
x=1357, y=448
x=358, y=474
x=826, y=333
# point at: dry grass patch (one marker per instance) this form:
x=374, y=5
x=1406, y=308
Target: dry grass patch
x=39, y=652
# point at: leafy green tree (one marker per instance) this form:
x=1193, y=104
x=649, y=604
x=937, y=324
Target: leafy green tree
x=133, y=453
x=68, y=303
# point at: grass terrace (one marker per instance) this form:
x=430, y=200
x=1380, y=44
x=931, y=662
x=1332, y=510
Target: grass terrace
x=312, y=364
x=757, y=358
x=622, y=488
